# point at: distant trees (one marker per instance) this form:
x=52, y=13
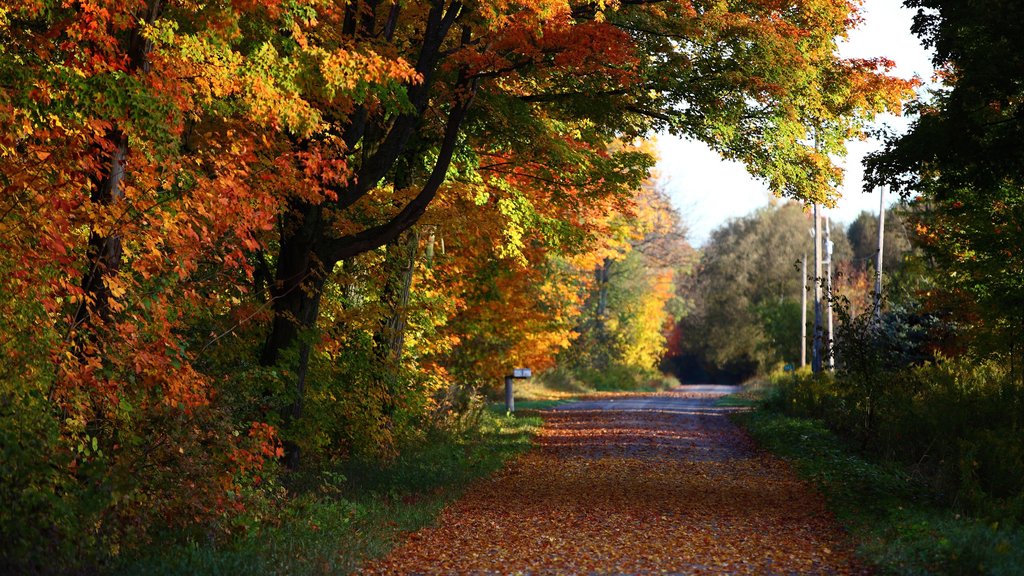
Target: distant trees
x=743, y=298
x=745, y=315
x=900, y=265
x=863, y=236
x=630, y=300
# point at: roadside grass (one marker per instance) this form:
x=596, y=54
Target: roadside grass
x=530, y=406
x=738, y=400
x=338, y=519
x=549, y=386
x=900, y=527
x=561, y=385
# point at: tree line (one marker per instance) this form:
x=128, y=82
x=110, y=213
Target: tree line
x=743, y=315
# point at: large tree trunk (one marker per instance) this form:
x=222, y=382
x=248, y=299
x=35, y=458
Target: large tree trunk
x=105, y=249
x=302, y=272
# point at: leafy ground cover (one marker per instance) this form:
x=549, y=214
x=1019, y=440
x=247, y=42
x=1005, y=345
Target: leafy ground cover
x=900, y=526
x=633, y=484
x=337, y=519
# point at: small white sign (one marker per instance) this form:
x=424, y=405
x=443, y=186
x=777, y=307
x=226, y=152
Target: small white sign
x=522, y=373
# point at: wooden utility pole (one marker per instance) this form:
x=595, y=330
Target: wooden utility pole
x=803, y=310
x=878, y=261
x=816, y=346
x=828, y=286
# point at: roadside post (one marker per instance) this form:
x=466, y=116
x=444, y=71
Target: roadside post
x=517, y=374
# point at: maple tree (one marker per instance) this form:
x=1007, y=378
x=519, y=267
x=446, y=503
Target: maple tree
x=131, y=201
x=208, y=239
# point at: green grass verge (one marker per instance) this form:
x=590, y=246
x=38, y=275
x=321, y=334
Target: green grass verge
x=899, y=526
x=529, y=406
x=341, y=518
x=741, y=400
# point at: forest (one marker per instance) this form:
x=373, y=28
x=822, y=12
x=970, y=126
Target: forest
x=257, y=256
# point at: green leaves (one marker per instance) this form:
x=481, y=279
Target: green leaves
x=964, y=161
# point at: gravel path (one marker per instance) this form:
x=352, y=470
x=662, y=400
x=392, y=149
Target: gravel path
x=634, y=484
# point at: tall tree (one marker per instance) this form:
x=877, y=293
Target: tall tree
x=863, y=236
x=964, y=158
x=749, y=79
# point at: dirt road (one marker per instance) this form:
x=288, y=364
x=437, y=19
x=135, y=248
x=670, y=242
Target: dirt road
x=638, y=484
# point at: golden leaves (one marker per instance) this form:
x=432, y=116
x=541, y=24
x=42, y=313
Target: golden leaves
x=633, y=492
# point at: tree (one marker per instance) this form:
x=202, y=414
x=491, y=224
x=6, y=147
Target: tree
x=964, y=159
x=127, y=141
x=630, y=295
x=745, y=315
x=863, y=236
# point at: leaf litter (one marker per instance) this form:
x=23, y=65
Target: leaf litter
x=643, y=484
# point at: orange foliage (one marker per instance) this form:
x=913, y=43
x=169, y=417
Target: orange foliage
x=608, y=491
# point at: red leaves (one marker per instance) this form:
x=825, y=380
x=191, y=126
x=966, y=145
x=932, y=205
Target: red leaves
x=633, y=492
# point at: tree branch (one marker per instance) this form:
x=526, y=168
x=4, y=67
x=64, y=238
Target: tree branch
x=377, y=236
x=651, y=113
x=559, y=96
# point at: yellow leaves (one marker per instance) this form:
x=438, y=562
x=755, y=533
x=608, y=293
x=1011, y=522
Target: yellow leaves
x=500, y=14
x=281, y=90
x=345, y=70
x=116, y=286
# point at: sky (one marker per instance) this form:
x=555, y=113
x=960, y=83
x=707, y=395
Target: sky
x=708, y=190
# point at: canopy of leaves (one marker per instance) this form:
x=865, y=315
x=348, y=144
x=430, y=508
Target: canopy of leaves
x=963, y=157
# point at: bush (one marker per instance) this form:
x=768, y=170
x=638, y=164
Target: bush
x=618, y=377
x=955, y=422
x=899, y=528
x=338, y=517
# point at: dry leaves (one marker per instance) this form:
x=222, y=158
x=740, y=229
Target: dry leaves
x=665, y=485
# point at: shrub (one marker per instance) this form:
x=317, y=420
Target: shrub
x=955, y=422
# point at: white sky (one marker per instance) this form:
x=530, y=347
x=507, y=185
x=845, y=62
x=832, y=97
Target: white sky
x=708, y=190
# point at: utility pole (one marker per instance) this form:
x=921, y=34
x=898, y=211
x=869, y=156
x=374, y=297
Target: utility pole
x=828, y=286
x=803, y=310
x=878, y=261
x=816, y=347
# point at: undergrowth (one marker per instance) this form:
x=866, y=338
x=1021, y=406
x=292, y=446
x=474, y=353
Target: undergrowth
x=336, y=518
x=901, y=525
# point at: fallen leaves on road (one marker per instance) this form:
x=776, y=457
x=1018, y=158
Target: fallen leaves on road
x=638, y=493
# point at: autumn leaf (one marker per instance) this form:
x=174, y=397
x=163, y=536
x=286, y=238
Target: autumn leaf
x=667, y=484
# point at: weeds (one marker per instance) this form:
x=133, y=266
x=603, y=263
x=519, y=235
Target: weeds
x=901, y=525
x=341, y=516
